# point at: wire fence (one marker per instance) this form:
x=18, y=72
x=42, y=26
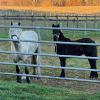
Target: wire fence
x=47, y=54
x=50, y=28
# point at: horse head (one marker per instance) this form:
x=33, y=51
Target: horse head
x=56, y=32
x=15, y=31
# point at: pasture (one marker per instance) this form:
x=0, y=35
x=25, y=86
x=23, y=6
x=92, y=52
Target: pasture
x=54, y=89
x=10, y=90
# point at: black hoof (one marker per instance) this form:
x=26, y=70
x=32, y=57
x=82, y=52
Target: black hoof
x=62, y=75
x=28, y=80
x=94, y=74
x=18, y=79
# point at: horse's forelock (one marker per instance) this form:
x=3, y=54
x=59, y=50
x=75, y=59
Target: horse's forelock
x=15, y=31
x=15, y=24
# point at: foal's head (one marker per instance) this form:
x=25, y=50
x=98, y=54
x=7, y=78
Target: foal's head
x=15, y=31
x=56, y=32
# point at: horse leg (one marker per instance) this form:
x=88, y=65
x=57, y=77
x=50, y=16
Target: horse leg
x=92, y=52
x=27, y=77
x=18, y=77
x=93, y=74
x=34, y=62
x=26, y=61
x=62, y=63
x=38, y=68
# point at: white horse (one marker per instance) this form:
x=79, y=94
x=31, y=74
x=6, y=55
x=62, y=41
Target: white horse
x=24, y=47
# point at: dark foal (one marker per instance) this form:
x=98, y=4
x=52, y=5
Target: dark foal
x=69, y=49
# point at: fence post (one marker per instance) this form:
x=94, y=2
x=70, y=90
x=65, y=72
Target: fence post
x=73, y=24
x=33, y=19
x=56, y=19
x=39, y=51
x=67, y=20
x=85, y=24
x=95, y=22
x=77, y=21
x=39, y=58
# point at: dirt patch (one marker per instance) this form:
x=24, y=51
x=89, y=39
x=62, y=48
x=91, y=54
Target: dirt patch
x=85, y=87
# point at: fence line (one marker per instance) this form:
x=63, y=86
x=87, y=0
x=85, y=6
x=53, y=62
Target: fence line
x=51, y=55
x=28, y=16
x=50, y=19
x=57, y=18
x=52, y=77
x=48, y=66
x=51, y=42
x=50, y=28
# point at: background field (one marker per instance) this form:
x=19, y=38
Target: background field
x=50, y=2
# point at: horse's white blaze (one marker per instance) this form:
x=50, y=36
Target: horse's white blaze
x=15, y=31
x=14, y=56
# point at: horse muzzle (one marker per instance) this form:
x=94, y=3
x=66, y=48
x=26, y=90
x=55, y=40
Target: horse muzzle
x=15, y=39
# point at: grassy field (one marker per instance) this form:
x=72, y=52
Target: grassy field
x=10, y=90
x=49, y=89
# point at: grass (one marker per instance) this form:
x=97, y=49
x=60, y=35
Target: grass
x=10, y=90
x=3, y=35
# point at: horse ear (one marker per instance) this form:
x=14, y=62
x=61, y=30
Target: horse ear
x=19, y=23
x=11, y=23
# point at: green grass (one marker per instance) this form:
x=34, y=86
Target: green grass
x=47, y=34
x=3, y=35
x=10, y=90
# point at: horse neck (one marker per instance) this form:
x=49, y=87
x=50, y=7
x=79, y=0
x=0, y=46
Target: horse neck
x=15, y=46
x=61, y=36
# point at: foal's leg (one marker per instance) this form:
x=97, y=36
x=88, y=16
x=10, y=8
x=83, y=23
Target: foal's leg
x=62, y=63
x=18, y=77
x=92, y=52
x=93, y=74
